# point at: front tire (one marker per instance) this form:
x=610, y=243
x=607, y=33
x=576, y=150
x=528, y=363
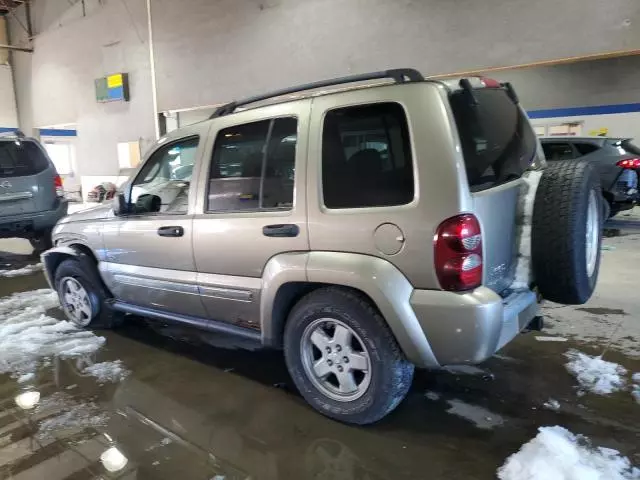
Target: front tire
x=343, y=358
x=82, y=297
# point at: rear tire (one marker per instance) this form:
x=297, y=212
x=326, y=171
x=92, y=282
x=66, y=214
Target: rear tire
x=41, y=241
x=368, y=375
x=82, y=295
x=567, y=232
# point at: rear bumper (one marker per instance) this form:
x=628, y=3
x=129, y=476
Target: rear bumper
x=470, y=327
x=25, y=225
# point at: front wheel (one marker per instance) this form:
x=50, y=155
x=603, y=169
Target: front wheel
x=343, y=358
x=82, y=297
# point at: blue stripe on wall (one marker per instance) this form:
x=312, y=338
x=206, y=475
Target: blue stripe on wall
x=583, y=111
x=55, y=132
x=45, y=132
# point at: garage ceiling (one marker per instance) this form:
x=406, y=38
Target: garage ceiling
x=6, y=5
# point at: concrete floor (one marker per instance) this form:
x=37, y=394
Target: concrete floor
x=193, y=408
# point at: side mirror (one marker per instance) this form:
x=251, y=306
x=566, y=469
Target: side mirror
x=147, y=203
x=119, y=204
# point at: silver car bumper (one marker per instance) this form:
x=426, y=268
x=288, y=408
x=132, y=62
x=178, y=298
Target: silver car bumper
x=470, y=327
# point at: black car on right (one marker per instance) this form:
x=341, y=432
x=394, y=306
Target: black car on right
x=616, y=159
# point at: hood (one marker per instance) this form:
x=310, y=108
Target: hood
x=101, y=210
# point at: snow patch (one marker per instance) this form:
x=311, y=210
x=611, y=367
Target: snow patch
x=595, y=374
x=28, y=270
x=556, y=453
x=552, y=404
x=28, y=336
x=541, y=338
x=635, y=389
x=526, y=200
x=465, y=370
x=481, y=417
x=108, y=372
x=27, y=377
x=433, y=396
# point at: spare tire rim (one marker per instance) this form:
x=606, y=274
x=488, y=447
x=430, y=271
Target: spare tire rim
x=75, y=301
x=592, y=234
x=335, y=359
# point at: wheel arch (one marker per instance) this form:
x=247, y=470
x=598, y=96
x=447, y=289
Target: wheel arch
x=289, y=277
x=52, y=258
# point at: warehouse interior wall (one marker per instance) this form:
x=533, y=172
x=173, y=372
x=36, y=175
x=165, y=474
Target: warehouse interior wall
x=211, y=51
x=611, y=84
x=8, y=109
x=72, y=48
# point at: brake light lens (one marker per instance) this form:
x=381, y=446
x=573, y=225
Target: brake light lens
x=57, y=181
x=458, y=253
x=490, y=82
x=631, y=163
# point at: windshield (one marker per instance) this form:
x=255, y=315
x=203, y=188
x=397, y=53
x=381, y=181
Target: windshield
x=498, y=142
x=21, y=158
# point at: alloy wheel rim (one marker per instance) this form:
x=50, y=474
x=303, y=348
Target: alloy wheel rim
x=335, y=359
x=76, y=301
x=592, y=234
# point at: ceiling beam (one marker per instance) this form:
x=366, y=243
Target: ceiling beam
x=13, y=47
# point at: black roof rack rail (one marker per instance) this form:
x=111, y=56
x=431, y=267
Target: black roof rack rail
x=399, y=75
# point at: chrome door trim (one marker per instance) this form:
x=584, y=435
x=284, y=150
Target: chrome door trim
x=229, y=287
x=7, y=197
x=167, y=286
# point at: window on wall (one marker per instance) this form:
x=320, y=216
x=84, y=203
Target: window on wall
x=163, y=184
x=253, y=167
x=366, y=157
x=61, y=154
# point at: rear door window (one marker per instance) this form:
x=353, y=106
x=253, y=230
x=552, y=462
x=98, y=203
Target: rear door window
x=253, y=167
x=366, y=157
x=21, y=159
x=558, y=151
x=498, y=142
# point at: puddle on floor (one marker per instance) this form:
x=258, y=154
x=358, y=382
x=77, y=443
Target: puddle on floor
x=182, y=408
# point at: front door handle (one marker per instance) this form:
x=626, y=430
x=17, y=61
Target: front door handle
x=174, y=231
x=281, y=230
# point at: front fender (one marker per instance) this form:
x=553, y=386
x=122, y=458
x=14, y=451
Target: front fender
x=52, y=258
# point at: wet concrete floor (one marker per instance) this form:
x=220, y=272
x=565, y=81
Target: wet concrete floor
x=194, y=407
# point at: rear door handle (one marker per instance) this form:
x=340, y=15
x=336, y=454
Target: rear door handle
x=175, y=231
x=281, y=230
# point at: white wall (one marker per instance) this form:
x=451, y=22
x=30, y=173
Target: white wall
x=8, y=112
x=619, y=124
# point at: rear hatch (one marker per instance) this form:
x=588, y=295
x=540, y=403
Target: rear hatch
x=498, y=145
x=26, y=178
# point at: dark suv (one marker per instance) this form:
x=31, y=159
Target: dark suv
x=31, y=194
x=616, y=159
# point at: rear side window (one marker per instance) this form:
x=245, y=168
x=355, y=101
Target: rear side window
x=498, y=143
x=557, y=151
x=21, y=159
x=366, y=157
x=585, y=148
x=253, y=167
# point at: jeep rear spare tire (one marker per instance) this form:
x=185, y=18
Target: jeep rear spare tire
x=566, y=232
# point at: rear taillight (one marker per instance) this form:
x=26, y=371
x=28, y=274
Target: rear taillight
x=632, y=163
x=57, y=181
x=490, y=82
x=458, y=253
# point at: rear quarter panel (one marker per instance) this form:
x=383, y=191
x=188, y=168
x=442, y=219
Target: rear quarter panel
x=441, y=189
